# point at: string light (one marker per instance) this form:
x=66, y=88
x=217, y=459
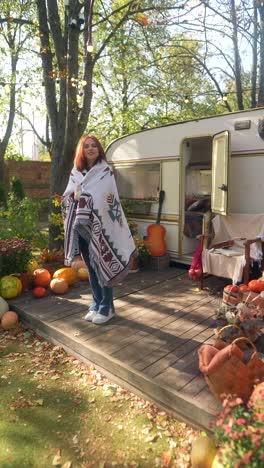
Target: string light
x=75, y=82
x=90, y=47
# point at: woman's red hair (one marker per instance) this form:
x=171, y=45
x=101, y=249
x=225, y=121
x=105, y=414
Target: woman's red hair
x=80, y=160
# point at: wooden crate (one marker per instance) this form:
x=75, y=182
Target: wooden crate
x=159, y=263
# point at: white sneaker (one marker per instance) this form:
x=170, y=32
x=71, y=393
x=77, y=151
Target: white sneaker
x=90, y=316
x=99, y=319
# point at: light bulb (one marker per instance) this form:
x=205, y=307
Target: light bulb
x=90, y=48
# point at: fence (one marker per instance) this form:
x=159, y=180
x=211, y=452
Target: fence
x=34, y=175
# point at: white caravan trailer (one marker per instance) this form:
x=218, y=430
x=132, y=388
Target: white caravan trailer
x=217, y=160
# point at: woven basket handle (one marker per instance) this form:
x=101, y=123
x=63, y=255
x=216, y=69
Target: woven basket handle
x=218, y=334
x=230, y=292
x=243, y=338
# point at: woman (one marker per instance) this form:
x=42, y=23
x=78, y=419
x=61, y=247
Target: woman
x=96, y=227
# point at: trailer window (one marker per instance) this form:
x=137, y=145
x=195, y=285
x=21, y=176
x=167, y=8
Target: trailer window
x=138, y=181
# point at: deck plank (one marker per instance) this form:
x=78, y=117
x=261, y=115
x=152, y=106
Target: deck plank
x=150, y=346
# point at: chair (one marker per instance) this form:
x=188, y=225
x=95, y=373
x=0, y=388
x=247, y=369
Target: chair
x=236, y=242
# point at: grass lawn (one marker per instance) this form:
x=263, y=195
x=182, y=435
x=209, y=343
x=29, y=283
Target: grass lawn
x=56, y=411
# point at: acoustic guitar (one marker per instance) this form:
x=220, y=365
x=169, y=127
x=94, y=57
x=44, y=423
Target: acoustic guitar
x=156, y=233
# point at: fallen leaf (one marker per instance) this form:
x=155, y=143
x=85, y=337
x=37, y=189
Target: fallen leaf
x=166, y=458
x=67, y=464
x=40, y=402
x=172, y=444
x=152, y=438
x=56, y=460
x=75, y=439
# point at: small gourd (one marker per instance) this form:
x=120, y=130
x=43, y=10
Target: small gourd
x=59, y=286
x=10, y=287
x=78, y=263
x=83, y=274
x=41, y=277
x=67, y=273
x=9, y=320
x=39, y=292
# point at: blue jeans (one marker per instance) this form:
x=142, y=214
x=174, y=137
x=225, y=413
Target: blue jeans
x=102, y=296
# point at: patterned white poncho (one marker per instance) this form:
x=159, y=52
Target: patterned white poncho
x=92, y=209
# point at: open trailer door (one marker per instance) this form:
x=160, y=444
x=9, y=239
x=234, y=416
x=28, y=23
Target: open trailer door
x=220, y=172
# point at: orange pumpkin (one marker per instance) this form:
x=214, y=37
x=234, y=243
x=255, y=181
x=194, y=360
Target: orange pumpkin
x=243, y=287
x=231, y=288
x=83, y=274
x=41, y=277
x=9, y=320
x=67, y=273
x=78, y=263
x=59, y=285
x=256, y=286
x=39, y=292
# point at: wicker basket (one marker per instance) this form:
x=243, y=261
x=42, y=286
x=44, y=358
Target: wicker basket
x=226, y=371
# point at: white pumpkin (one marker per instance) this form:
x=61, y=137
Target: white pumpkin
x=4, y=307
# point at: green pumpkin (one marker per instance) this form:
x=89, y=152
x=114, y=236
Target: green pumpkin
x=10, y=287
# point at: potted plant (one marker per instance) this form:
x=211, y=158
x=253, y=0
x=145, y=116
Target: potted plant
x=143, y=255
x=15, y=253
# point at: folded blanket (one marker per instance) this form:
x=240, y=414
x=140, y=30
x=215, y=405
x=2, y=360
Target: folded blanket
x=92, y=210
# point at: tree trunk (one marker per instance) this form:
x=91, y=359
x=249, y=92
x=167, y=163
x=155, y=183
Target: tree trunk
x=254, y=71
x=238, y=80
x=261, y=65
x=2, y=166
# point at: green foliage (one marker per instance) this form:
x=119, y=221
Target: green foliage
x=56, y=219
x=20, y=219
x=12, y=153
x=239, y=431
x=15, y=254
x=17, y=189
x=150, y=72
x=143, y=253
x=41, y=239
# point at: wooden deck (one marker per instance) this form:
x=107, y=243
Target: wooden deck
x=150, y=347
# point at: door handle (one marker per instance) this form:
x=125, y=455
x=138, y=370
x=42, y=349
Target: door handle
x=223, y=187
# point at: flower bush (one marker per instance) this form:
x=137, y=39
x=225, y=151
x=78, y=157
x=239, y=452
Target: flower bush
x=15, y=254
x=143, y=253
x=240, y=432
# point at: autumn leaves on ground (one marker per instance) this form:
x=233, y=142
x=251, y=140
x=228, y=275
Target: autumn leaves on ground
x=56, y=411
